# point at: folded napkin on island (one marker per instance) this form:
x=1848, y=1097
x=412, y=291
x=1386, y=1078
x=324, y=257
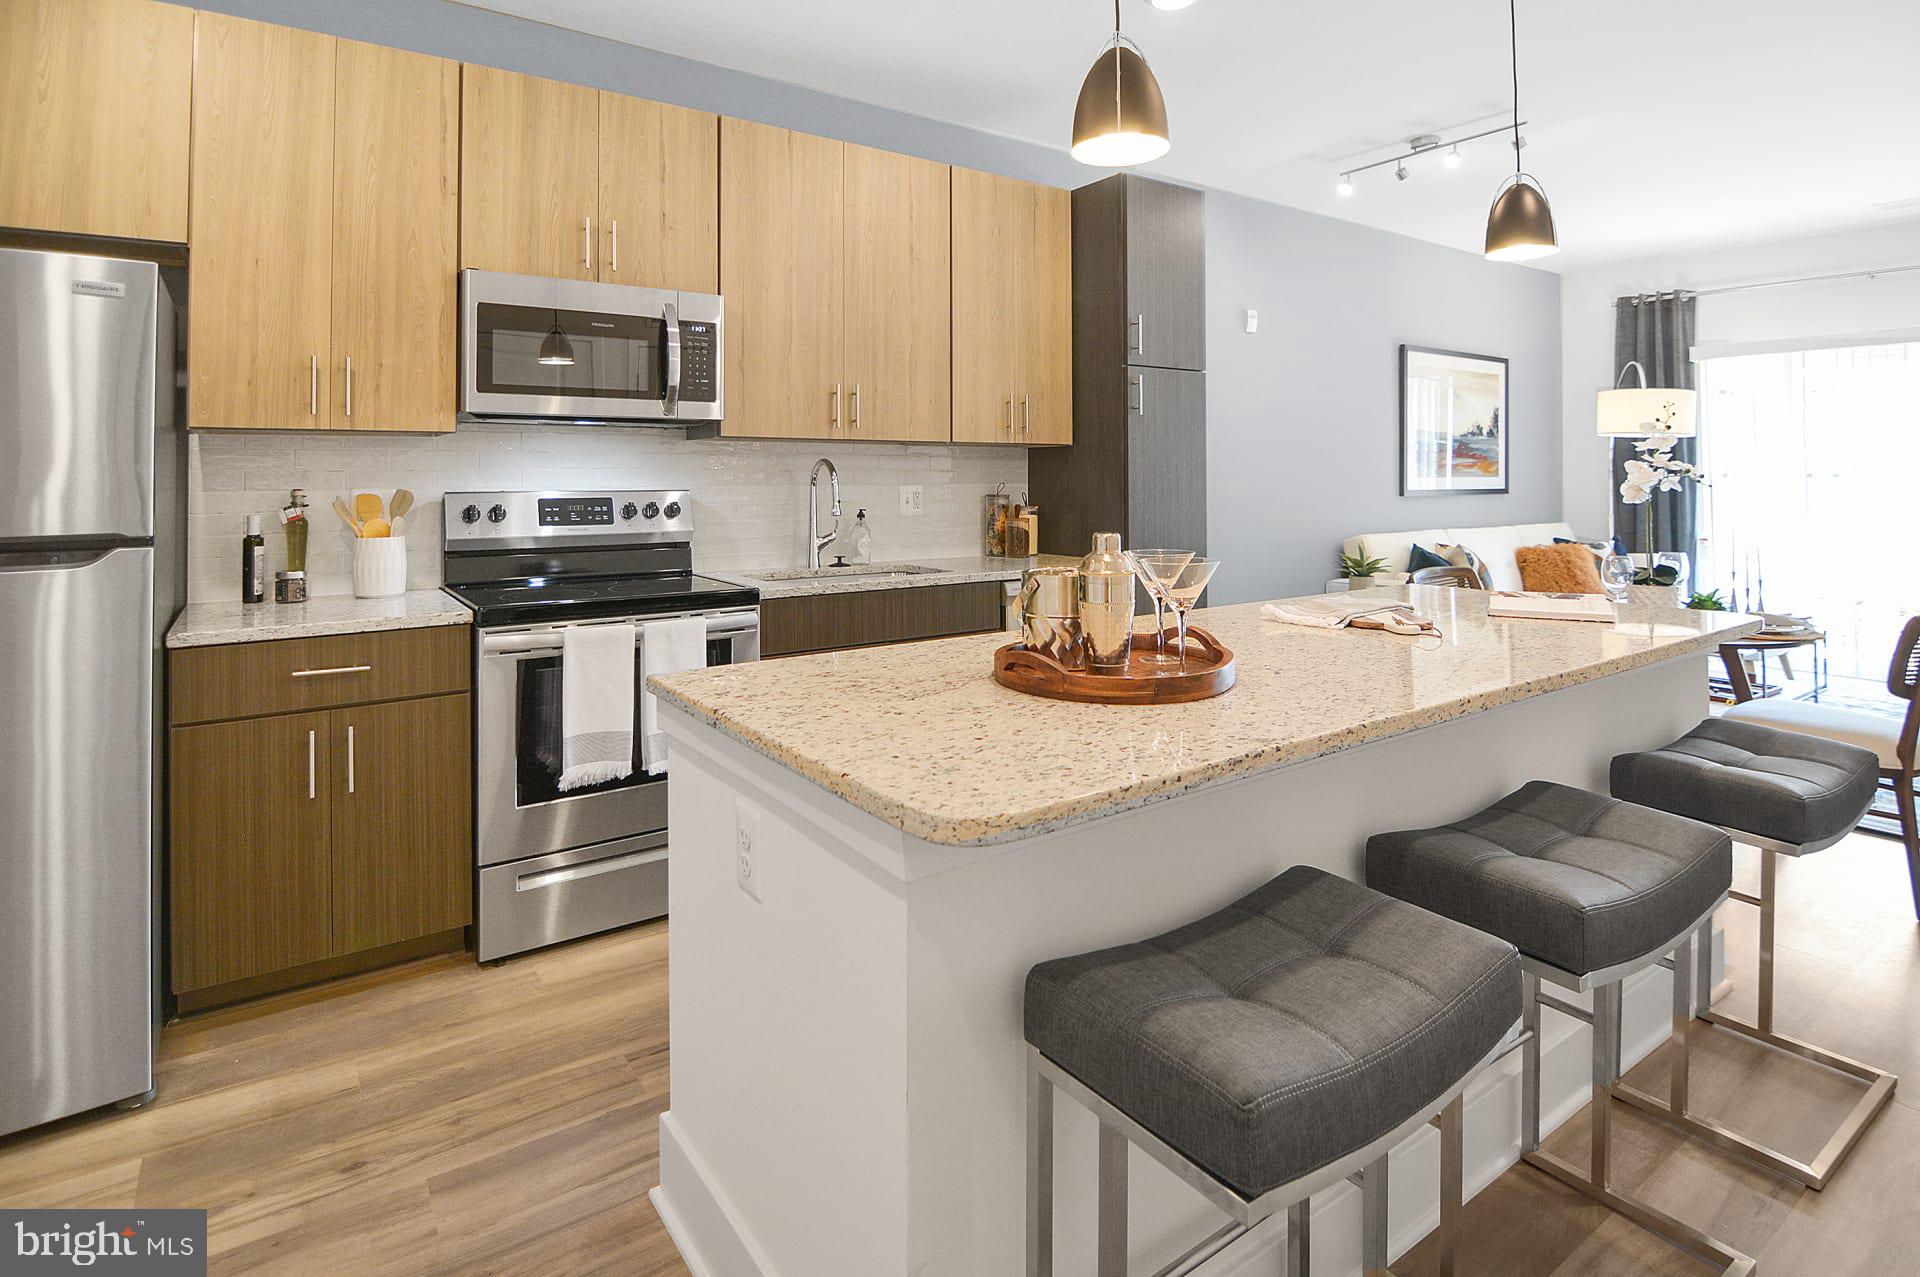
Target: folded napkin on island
x=1329, y=612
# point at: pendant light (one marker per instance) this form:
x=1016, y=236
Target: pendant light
x=1120, y=119
x=556, y=351
x=1520, y=226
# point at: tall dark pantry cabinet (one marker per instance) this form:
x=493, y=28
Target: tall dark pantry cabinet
x=1138, y=463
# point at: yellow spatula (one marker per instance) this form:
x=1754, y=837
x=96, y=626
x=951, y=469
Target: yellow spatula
x=368, y=506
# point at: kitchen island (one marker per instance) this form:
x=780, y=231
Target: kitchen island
x=871, y=848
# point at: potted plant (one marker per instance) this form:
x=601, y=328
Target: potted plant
x=1359, y=567
x=1707, y=601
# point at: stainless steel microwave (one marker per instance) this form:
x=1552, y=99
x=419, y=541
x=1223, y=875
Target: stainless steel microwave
x=570, y=350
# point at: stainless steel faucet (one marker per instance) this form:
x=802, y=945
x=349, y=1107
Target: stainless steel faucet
x=816, y=542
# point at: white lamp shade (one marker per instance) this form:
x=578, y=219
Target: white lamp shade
x=1639, y=413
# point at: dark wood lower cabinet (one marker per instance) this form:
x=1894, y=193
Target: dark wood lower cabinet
x=402, y=822
x=308, y=845
x=865, y=618
x=251, y=864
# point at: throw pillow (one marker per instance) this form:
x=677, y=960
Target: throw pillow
x=1421, y=557
x=1614, y=546
x=1559, y=569
x=1460, y=556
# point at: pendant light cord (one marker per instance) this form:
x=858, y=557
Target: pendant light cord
x=1513, y=36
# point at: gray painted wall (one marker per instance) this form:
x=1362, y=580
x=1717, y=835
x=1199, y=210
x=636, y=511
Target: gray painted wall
x=1303, y=417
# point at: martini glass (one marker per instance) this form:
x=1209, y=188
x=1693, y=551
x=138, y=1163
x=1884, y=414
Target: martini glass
x=1155, y=568
x=1183, y=591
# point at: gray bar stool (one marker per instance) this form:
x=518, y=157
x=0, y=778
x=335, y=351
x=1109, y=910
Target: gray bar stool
x=1591, y=890
x=1789, y=795
x=1264, y=1053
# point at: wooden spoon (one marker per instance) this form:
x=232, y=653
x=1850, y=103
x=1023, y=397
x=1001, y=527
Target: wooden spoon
x=401, y=503
x=368, y=506
x=346, y=515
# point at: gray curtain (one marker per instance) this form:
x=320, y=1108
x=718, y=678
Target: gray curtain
x=1657, y=330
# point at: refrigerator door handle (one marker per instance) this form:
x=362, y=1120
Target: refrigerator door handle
x=52, y=560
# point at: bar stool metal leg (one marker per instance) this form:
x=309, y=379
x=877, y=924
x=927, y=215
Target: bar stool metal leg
x=1112, y=1250
x=1453, y=1175
x=1300, y=1238
x=1817, y=1173
x=1039, y=1175
x=1373, y=1218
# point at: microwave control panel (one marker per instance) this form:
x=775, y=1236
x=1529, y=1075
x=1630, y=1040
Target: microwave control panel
x=699, y=355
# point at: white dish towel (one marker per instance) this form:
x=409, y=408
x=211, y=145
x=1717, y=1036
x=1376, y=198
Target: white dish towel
x=596, y=705
x=666, y=647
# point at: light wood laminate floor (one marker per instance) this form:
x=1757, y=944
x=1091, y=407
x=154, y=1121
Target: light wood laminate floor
x=446, y=1118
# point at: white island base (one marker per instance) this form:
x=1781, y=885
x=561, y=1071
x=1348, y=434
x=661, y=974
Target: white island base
x=847, y=1071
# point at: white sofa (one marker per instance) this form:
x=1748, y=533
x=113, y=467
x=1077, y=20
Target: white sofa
x=1494, y=546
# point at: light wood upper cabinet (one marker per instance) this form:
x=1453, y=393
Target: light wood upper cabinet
x=259, y=334
x=896, y=300
x=529, y=175
x=1044, y=295
x=95, y=96
x=780, y=271
x=659, y=195
x=396, y=223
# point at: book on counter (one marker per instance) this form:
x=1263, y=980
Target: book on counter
x=1545, y=606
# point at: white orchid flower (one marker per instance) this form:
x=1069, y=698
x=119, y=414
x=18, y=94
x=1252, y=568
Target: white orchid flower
x=1632, y=493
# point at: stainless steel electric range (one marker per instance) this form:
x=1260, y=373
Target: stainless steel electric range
x=553, y=866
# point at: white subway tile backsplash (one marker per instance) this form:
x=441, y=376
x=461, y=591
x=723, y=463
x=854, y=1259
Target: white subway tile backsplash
x=750, y=499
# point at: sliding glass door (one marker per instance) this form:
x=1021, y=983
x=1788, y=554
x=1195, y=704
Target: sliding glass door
x=1813, y=458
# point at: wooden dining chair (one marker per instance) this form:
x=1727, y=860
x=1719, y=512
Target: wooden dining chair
x=1463, y=578
x=1892, y=739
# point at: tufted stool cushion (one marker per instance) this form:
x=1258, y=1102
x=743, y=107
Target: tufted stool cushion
x=1291, y=1028
x=1575, y=879
x=1760, y=780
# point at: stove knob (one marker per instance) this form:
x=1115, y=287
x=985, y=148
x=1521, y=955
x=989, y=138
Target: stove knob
x=470, y=515
x=651, y=510
x=673, y=509
x=628, y=510
x=498, y=514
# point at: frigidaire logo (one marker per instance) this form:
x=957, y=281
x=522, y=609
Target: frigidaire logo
x=154, y=1243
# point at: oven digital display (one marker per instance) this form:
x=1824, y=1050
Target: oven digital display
x=575, y=512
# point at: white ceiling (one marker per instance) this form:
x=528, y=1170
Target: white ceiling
x=1655, y=125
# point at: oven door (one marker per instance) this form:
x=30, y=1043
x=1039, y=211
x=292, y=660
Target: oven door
x=519, y=807
x=573, y=350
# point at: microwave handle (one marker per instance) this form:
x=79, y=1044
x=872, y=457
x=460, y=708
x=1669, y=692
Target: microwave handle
x=671, y=314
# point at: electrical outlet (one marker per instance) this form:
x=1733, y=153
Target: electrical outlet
x=913, y=500
x=746, y=848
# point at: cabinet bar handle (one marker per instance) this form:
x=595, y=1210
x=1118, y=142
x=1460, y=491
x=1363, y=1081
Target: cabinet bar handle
x=836, y=407
x=337, y=669
x=313, y=385
x=614, y=227
x=1026, y=417
x=1009, y=416
x=586, y=241
x=856, y=407
x=349, y=758
x=1139, y=334
x=309, y=765
x=1138, y=398
x=349, y=385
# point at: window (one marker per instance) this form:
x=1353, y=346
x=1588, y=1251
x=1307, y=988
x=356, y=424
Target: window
x=1813, y=462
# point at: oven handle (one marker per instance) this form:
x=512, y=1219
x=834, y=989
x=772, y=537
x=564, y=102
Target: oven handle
x=551, y=640
x=586, y=869
x=671, y=314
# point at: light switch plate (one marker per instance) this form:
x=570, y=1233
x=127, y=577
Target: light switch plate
x=913, y=500
x=747, y=870
x=1253, y=321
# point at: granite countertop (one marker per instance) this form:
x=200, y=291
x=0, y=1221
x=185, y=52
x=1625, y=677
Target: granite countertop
x=907, y=733
x=208, y=624
x=961, y=570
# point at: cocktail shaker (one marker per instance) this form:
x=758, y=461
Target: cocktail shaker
x=1106, y=605
x=1050, y=614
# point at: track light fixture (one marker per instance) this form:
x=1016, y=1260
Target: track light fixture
x=1418, y=145
x=1120, y=119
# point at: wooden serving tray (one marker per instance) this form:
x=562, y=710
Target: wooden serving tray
x=1209, y=673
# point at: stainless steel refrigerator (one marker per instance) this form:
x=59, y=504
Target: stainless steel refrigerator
x=91, y=565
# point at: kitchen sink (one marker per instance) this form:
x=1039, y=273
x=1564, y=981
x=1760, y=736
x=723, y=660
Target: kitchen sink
x=851, y=569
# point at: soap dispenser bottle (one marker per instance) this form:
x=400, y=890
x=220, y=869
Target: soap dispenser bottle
x=862, y=539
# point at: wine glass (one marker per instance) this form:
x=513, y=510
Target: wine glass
x=1155, y=568
x=1183, y=591
x=1616, y=576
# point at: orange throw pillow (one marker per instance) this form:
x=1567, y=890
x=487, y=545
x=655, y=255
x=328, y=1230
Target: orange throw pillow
x=1559, y=569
